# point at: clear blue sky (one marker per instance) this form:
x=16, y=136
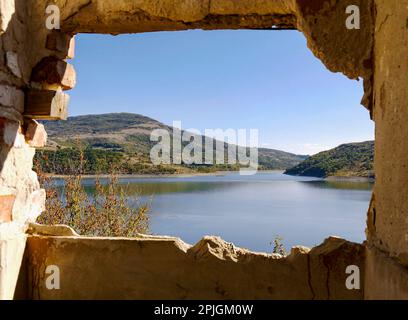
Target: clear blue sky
x=267, y=80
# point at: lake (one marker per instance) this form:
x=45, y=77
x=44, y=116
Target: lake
x=251, y=211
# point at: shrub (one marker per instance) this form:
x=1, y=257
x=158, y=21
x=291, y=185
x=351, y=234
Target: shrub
x=104, y=212
x=278, y=246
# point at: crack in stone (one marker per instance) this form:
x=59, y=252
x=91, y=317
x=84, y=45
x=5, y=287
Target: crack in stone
x=309, y=278
x=80, y=8
x=328, y=278
x=383, y=22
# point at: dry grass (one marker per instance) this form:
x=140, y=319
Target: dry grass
x=104, y=212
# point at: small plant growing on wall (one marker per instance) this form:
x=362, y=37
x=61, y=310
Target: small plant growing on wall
x=278, y=247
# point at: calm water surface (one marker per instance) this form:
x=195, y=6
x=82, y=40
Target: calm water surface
x=251, y=210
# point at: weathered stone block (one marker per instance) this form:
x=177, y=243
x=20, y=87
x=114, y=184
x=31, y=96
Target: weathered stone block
x=51, y=230
x=12, y=97
x=10, y=133
x=12, y=245
x=328, y=265
x=37, y=204
x=71, y=51
x=6, y=207
x=35, y=134
x=47, y=104
x=12, y=63
x=61, y=42
x=385, y=278
x=7, y=9
x=53, y=71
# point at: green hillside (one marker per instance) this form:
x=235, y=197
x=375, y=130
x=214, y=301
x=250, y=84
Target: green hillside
x=122, y=140
x=347, y=160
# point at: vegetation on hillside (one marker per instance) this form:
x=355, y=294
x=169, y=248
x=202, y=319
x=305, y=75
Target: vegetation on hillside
x=123, y=140
x=64, y=161
x=347, y=160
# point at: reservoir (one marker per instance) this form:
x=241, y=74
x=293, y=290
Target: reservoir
x=251, y=211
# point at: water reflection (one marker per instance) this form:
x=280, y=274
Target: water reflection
x=345, y=185
x=251, y=210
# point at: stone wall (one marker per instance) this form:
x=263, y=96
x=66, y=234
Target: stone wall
x=321, y=21
x=167, y=268
x=387, y=272
x=34, y=72
x=21, y=199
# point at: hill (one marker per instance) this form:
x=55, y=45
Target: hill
x=347, y=160
x=123, y=140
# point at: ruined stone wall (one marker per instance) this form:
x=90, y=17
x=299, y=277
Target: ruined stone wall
x=33, y=75
x=34, y=71
x=21, y=199
x=321, y=21
x=387, y=265
x=167, y=268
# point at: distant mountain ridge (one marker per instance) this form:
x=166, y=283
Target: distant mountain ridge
x=346, y=160
x=124, y=139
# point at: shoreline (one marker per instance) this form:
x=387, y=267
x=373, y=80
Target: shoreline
x=204, y=174
x=174, y=175
x=350, y=179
